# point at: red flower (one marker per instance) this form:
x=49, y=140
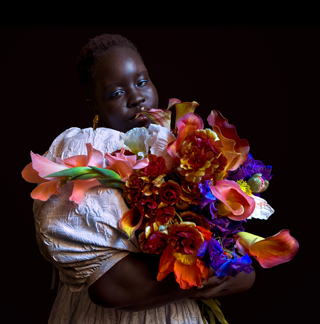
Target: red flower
x=154, y=242
x=155, y=168
x=169, y=192
x=164, y=214
x=132, y=191
x=185, y=238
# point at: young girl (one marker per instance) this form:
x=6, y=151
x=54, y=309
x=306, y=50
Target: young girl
x=106, y=279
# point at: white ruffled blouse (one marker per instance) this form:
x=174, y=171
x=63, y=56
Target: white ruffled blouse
x=84, y=241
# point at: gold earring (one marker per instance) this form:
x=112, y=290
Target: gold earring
x=95, y=121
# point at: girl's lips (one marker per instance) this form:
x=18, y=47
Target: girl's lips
x=140, y=121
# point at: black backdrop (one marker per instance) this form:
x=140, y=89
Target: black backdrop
x=263, y=78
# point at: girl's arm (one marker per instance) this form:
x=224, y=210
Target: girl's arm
x=131, y=285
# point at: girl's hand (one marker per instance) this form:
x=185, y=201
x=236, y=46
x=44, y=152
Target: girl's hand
x=215, y=287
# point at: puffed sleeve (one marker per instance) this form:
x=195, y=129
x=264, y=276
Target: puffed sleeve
x=83, y=241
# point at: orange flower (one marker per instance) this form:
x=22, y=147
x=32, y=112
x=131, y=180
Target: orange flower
x=187, y=268
x=180, y=256
x=201, y=156
x=234, y=149
x=270, y=251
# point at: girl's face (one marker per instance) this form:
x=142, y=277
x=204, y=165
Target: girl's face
x=122, y=88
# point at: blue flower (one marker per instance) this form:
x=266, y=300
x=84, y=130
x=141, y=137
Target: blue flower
x=225, y=263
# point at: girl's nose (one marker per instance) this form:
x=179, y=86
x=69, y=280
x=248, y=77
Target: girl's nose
x=136, y=98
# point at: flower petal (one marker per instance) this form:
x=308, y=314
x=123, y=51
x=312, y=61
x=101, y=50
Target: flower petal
x=44, y=166
x=131, y=220
x=185, y=108
x=186, y=125
x=95, y=157
x=123, y=167
x=172, y=102
x=236, y=150
x=166, y=264
x=45, y=190
x=81, y=187
x=159, y=116
x=241, y=205
x=75, y=161
x=269, y=252
x=262, y=209
x=31, y=175
x=159, y=139
x=187, y=276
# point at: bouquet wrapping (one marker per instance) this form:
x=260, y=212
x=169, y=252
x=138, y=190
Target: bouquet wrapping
x=190, y=192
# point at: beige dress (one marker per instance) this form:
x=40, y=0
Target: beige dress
x=84, y=241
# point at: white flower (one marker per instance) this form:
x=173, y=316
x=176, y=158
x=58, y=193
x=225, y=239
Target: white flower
x=138, y=141
x=262, y=210
x=160, y=138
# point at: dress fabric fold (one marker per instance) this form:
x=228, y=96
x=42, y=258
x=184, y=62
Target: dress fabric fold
x=84, y=241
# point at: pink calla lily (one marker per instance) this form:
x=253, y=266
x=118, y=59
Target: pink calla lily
x=271, y=251
x=234, y=149
x=234, y=203
x=186, y=125
x=125, y=164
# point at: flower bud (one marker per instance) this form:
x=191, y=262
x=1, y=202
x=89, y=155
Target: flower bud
x=257, y=184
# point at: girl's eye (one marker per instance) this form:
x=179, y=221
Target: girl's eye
x=116, y=94
x=142, y=83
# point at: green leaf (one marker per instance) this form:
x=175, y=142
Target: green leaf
x=73, y=172
x=117, y=184
x=108, y=174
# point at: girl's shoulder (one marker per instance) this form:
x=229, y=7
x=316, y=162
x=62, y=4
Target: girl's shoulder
x=73, y=141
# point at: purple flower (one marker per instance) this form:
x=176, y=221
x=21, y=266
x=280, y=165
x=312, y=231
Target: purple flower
x=224, y=263
x=249, y=168
x=232, y=266
x=208, y=198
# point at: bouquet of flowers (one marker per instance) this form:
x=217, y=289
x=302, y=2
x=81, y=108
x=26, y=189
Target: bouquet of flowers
x=190, y=192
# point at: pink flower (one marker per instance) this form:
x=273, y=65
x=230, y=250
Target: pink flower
x=125, y=164
x=234, y=203
x=40, y=167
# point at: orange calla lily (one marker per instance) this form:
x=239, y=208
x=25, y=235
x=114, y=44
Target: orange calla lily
x=131, y=221
x=234, y=149
x=271, y=251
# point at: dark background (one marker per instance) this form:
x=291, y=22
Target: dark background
x=263, y=77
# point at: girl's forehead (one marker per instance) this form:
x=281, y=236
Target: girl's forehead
x=117, y=59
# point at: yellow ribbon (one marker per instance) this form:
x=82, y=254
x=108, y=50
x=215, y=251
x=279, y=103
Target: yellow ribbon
x=211, y=308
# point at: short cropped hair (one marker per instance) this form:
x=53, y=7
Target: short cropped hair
x=91, y=54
